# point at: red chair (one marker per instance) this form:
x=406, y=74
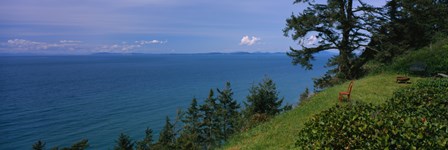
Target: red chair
x=341, y=94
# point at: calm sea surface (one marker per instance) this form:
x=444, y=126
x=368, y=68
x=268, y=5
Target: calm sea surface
x=63, y=99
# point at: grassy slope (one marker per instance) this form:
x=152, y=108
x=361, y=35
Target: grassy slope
x=281, y=131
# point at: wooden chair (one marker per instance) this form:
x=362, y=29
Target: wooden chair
x=348, y=92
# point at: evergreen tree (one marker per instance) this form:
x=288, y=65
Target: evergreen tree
x=339, y=25
x=81, y=145
x=190, y=136
x=124, y=142
x=146, y=143
x=304, y=96
x=39, y=145
x=410, y=25
x=228, y=112
x=263, y=99
x=209, y=126
x=167, y=138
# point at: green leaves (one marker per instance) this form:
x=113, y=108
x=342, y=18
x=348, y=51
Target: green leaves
x=264, y=99
x=416, y=117
x=124, y=142
x=339, y=25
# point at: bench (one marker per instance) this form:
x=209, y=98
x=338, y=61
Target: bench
x=401, y=79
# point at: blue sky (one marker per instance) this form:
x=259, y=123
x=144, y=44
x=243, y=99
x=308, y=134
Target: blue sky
x=144, y=26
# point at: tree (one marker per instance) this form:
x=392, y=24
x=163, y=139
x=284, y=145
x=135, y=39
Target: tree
x=409, y=25
x=210, y=132
x=337, y=25
x=190, y=136
x=304, y=96
x=228, y=111
x=124, y=142
x=81, y=145
x=39, y=145
x=167, y=138
x=263, y=99
x=146, y=143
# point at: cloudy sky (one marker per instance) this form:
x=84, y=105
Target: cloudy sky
x=144, y=26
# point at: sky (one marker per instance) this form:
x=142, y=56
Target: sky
x=145, y=26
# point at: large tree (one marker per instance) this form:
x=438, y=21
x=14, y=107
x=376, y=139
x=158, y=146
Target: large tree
x=210, y=131
x=167, y=137
x=342, y=25
x=228, y=112
x=190, y=136
x=411, y=24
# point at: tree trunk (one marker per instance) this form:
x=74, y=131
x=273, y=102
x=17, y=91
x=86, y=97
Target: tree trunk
x=345, y=49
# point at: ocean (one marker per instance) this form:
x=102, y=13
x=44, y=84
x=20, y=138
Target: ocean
x=63, y=99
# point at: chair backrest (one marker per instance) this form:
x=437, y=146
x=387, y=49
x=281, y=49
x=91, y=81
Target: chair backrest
x=350, y=86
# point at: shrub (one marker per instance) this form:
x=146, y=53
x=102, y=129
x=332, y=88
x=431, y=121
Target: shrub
x=434, y=57
x=416, y=117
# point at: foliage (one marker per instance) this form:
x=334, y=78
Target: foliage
x=210, y=131
x=146, y=143
x=39, y=145
x=190, y=136
x=410, y=25
x=416, y=117
x=227, y=112
x=339, y=25
x=304, y=96
x=81, y=145
x=435, y=58
x=124, y=142
x=167, y=138
x=263, y=99
x=326, y=81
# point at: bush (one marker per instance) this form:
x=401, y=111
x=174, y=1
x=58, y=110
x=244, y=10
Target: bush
x=416, y=117
x=434, y=57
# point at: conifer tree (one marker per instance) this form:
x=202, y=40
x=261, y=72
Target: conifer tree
x=228, y=111
x=81, y=145
x=339, y=25
x=39, y=145
x=146, y=143
x=124, y=142
x=263, y=99
x=304, y=96
x=190, y=136
x=209, y=125
x=167, y=138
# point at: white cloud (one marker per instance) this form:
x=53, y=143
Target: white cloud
x=311, y=40
x=125, y=47
x=21, y=44
x=248, y=41
x=69, y=41
x=17, y=45
x=119, y=48
x=142, y=42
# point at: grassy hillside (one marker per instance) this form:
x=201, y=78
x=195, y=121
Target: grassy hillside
x=281, y=132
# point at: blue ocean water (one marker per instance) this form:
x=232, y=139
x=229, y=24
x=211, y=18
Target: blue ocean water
x=63, y=99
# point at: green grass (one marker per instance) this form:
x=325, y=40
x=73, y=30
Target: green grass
x=281, y=131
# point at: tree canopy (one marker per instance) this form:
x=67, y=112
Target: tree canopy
x=338, y=25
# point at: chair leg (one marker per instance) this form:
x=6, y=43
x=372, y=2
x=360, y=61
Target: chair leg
x=340, y=98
